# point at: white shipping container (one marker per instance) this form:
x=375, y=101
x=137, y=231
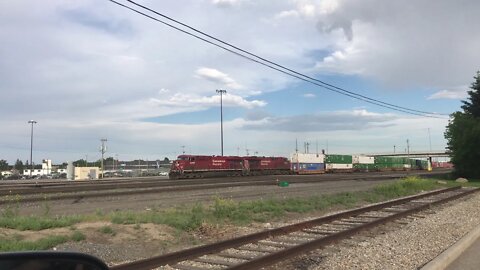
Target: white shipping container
x=307, y=158
x=366, y=160
x=336, y=166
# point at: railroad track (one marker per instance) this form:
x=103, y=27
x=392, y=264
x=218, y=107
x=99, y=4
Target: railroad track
x=159, y=185
x=272, y=246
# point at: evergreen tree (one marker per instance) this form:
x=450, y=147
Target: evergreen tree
x=472, y=106
x=4, y=165
x=19, y=165
x=463, y=134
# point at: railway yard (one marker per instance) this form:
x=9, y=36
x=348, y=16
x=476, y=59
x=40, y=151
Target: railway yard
x=67, y=197
x=402, y=233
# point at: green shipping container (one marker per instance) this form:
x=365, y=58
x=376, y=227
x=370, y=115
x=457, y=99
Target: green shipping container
x=369, y=167
x=338, y=159
x=391, y=160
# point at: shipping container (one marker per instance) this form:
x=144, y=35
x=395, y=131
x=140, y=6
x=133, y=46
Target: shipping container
x=363, y=160
x=338, y=167
x=364, y=167
x=307, y=158
x=338, y=159
x=308, y=168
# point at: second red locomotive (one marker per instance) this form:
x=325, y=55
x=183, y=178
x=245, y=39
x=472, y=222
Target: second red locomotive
x=192, y=166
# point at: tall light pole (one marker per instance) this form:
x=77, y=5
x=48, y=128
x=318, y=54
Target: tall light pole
x=221, y=92
x=31, y=146
x=103, y=149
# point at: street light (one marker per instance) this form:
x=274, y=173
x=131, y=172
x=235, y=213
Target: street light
x=221, y=92
x=31, y=146
x=103, y=149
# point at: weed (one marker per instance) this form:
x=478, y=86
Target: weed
x=45, y=206
x=12, y=206
x=12, y=244
x=78, y=236
x=99, y=212
x=38, y=223
x=107, y=230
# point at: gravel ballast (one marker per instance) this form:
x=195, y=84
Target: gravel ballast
x=409, y=246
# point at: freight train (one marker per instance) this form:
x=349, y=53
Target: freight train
x=196, y=166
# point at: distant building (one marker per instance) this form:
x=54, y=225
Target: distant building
x=45, y=170
x=115, y=165
x=86, y=173
x=6, y=173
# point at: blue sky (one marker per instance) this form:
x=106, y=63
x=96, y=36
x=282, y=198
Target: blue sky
x=87, y=70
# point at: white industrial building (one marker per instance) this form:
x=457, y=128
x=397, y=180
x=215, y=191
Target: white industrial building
x=45, y=170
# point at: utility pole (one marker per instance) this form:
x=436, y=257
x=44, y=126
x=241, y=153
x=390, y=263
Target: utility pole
x=31, y=146
x=103, y=149
x=394, y=148
x=408, y=149
x=429, y=139
x=296, y=145
x=183, y=149
x=221, y=92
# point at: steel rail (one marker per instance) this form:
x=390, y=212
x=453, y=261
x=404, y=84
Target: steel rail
x=196, y=252
x=321, y=242
x=79, y=196
x=96, y=186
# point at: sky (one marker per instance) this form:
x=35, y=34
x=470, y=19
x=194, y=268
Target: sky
x=90, y=69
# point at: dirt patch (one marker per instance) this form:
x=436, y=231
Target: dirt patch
x=34, y=235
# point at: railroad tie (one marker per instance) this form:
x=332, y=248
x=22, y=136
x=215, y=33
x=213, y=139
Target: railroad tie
x=275, y=244
x=187, y=267
x=257, y=249
x=236, y=255
x=218, y=261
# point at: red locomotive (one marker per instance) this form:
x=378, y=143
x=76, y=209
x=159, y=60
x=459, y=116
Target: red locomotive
x=191, y=166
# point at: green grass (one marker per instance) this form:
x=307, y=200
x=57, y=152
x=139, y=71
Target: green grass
x=183, y=218
x=15, y=242
x=107, y=230
x=221, y=211
x=36, y=223
x=78, y=236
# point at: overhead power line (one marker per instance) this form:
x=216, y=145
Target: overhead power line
x=271, y=64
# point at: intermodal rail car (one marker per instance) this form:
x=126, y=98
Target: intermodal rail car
x=198, y=166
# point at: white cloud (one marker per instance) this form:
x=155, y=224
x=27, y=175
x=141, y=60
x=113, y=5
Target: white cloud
x=459, y=93
x=403, y=45
x=309, y=95
x=287, y=14
x=217, y=76
x=326, y=121
x=186, y=100
x=226, y=3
